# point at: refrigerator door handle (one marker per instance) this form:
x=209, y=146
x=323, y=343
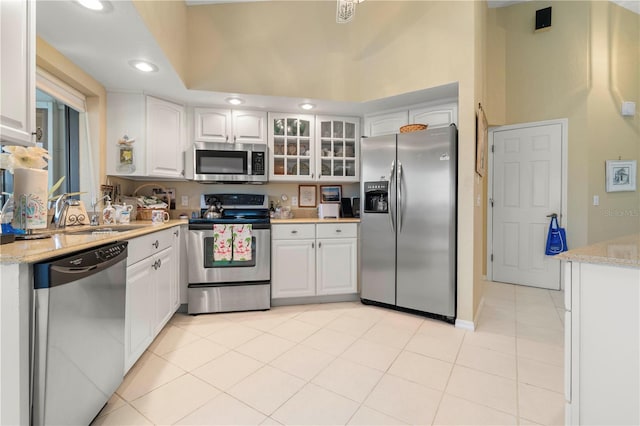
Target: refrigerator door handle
x=400, y=211
x=392, y=175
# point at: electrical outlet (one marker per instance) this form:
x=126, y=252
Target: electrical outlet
x=596, y=200
x=184, y=201
x=294, y=201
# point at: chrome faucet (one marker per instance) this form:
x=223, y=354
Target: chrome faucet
x=60, y=215
x=94, y=203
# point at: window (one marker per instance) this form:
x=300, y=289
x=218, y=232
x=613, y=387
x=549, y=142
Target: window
x=59, y=133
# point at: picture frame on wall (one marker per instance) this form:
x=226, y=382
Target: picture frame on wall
x=481, y=141
x=621, y=175
x=307, y=196
x=330, y=193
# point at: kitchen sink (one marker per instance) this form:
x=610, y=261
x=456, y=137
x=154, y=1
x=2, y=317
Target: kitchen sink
x=105, y=229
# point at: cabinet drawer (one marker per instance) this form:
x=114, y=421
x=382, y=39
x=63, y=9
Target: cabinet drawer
x=147, y=245
x=337, y=230
x=293, y=232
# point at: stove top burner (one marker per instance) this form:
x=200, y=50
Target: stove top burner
x=237, y=208
x=237, y=216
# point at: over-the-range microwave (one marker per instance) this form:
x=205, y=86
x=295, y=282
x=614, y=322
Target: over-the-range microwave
x=227, y=163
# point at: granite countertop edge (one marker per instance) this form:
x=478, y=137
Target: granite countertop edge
x=622, y=251
x=32, y=251
x=314, y=220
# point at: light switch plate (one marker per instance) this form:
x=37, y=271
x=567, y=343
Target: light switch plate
x=628, y=109
x=596, y=200
x=294, y=201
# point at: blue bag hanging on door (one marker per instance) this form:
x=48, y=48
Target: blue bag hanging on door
x=556, y=238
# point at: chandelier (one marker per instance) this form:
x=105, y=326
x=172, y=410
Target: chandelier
x=346, y=10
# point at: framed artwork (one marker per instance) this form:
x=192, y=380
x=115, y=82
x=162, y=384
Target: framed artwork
x=481, y=142
x=330, y=193
x=621, y=175
x=307, y=196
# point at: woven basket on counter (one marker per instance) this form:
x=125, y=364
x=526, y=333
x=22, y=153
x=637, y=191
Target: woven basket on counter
x=413, y=128
x=145, y=214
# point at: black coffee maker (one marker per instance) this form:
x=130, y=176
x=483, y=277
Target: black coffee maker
x=376, y=197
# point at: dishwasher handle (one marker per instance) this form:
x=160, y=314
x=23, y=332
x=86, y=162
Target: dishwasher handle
x=78, y=265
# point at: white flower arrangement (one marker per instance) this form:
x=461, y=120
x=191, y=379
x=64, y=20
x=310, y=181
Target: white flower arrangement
x=20, y=157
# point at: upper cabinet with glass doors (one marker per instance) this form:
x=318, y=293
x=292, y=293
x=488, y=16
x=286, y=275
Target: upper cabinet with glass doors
x=291, y=146
x=338, y=148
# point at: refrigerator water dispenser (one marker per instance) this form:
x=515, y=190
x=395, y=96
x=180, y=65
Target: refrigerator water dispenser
x=376, y=197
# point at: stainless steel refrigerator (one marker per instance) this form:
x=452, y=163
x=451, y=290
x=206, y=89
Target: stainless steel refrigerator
x=408, y=221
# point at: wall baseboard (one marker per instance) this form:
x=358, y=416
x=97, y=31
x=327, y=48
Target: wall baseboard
x=465, y=325
x=471, y=325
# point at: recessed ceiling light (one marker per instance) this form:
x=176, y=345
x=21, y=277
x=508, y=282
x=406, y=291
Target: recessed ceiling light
x=143, y=66
x=234, y=101
x=307, y=106
x=92, y=4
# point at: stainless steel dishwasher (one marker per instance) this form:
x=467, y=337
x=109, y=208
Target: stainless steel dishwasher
x=78, y=334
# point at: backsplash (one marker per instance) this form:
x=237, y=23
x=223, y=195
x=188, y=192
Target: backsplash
x=193, y=191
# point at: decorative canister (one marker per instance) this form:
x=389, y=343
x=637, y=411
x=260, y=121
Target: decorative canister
x=30, y=197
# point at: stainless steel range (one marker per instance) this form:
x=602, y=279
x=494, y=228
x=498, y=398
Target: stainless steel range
x=229, y=250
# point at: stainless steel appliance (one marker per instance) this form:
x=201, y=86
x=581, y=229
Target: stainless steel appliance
x=78, y=334
x=408, y=221
x=230, y=285
x=227, y=162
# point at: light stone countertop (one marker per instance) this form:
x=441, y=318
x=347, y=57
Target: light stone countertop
x=314, y=220
x=61, y=243
x=623, y=251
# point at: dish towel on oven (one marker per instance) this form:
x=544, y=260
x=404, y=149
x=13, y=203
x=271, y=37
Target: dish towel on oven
x=222, y=242
x=242, y=242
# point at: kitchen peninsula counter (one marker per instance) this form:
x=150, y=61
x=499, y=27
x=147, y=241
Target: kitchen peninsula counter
x=602, y=339
x=68, y=241
x=314, y=220
x=623, y=251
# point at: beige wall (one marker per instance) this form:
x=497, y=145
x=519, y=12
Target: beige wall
x=52, y=61
x=580, y=69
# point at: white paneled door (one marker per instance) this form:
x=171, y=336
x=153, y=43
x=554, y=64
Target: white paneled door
x=527, y=186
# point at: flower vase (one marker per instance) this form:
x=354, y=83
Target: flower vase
x=30, y=191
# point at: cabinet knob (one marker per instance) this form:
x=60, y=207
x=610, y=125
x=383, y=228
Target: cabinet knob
x=234, y=139
x=338, y=230
x=313, y=245
x=156, y=244
x=159, y=263
x=312, y=175
x=226, y=138
x=319, y=244
x=176, y=232
x=155, y=265
x=294, y=231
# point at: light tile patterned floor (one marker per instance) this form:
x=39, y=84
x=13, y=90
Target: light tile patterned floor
x=347, y=363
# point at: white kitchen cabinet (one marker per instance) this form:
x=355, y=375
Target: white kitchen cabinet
x=435, y=115
x=158, y=127
x=291, y=146
x=152, y=290
x=314, y=260
x=165, y=138
x=336, y=266
x=385, y=124
x=17, y=72
x=602, y=344
x=293, y=268
x=224, y=125
x=440, y=114
x=338, y=148
x=139, y=313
